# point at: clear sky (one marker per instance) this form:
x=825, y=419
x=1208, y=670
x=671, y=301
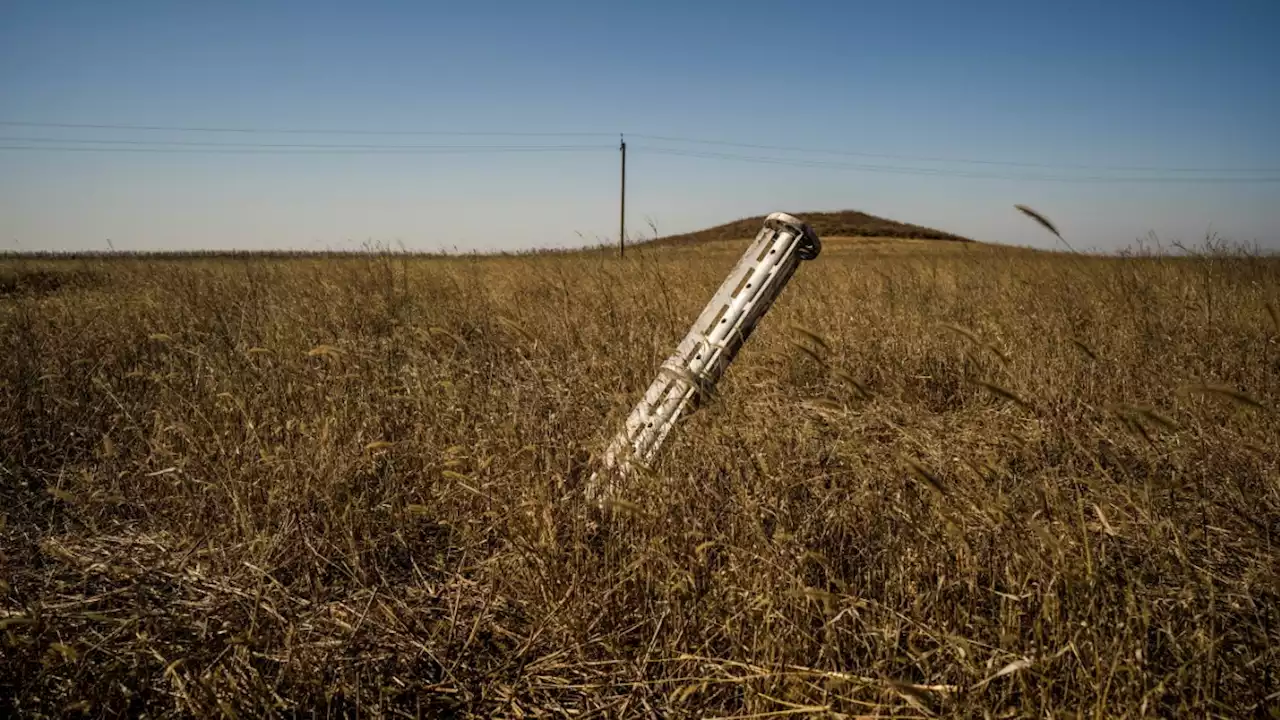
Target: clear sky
x=1044, y=100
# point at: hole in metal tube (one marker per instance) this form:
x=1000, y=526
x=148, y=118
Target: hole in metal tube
x=720, y=314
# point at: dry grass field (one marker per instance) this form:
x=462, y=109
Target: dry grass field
x=942, y=479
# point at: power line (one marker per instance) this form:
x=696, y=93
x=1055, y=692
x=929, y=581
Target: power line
x=114, y=145
x=333, y=146
x=658, y=138
x=940, y=172
x=294, y=131
x=284, y=149
x=315, y=150
x=970, y=161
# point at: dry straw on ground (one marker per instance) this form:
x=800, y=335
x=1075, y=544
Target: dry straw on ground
x=320, y=487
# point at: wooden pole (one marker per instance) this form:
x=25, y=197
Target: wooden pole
x=622, y=202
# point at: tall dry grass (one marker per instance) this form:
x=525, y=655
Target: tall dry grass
x=940, y=479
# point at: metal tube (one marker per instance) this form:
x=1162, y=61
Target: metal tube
x=711, y=344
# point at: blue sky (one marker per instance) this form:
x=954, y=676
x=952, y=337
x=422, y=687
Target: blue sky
x=1061, y=91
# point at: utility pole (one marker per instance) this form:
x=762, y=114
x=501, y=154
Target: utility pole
x=622, y=201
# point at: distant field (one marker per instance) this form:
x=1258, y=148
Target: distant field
x=832, y=245
x=1009, y=483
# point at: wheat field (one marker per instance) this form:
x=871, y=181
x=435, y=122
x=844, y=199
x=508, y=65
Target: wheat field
x=941, y=479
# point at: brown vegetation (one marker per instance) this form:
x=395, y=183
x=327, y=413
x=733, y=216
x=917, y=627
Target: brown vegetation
x=964, y=481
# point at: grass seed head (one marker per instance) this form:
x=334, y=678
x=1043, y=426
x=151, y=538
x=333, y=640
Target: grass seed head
x=1005, y=393
x=931, y=481
x=1044, y=221
x=1225, y=391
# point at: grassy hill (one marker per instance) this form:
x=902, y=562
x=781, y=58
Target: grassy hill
x=843, y=223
